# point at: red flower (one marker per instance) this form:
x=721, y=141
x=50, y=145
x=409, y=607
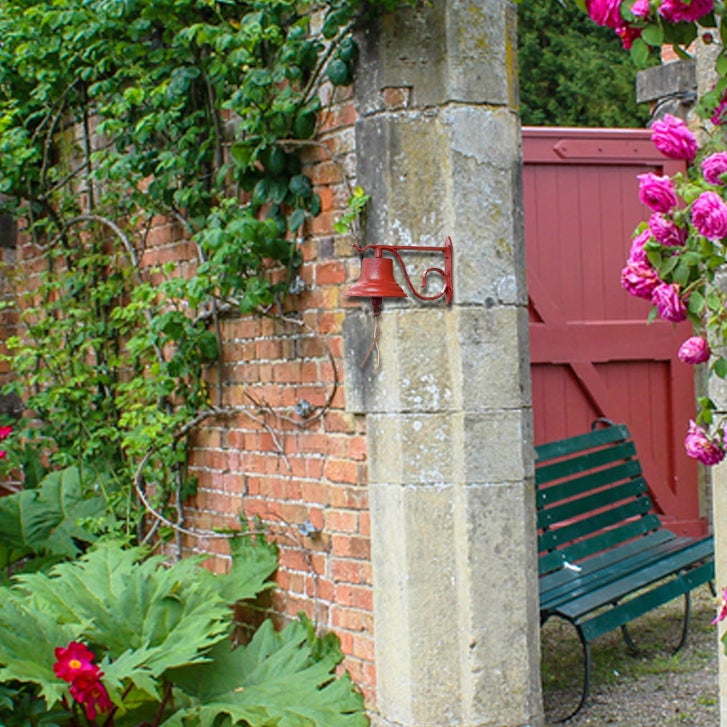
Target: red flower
x=92, y=695
x=5, y=432
x=75, y=662
x=75, y=665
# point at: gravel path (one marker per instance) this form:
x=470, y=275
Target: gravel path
x=655, y=690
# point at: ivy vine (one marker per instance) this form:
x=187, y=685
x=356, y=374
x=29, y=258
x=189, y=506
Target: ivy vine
x=121, y=118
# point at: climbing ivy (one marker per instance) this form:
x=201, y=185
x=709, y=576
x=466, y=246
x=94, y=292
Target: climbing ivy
x=124, y=120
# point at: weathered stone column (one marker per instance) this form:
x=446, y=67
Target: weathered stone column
x=717, y=389
x=448, y=412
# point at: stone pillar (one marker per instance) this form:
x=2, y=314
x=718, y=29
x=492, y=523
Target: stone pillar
x=449, y=411
x=706, y=56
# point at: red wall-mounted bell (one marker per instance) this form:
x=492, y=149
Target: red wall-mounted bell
x=377, y=274
x=376, y=280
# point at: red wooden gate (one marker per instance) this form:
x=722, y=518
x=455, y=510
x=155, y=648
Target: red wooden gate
x=593, y=355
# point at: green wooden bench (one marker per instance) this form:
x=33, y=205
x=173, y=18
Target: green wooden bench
x=604, y=556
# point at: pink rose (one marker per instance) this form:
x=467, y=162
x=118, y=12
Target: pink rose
x=637, y=252
x=694, y=350
x=668, y=301
x=673, y=139
x=605, y=12
x=685, y=11
x=722, y=615
x=700, y=446
x=709, y=215
x=639, y=279
x=641, y=8
x=665, y=231
x=656, y=192
x=714, y=166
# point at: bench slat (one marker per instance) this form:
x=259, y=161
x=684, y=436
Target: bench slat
x=645, y=602
x=623, y=561
x=591, y=460
x=590, y=503
x=563, y=447
x=607, y=558
x=552, y=494
x=580, y=550
x=601, y=521
x=618, y=589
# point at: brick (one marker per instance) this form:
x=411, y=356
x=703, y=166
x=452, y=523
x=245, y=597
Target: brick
x=331, y=273
x=350, y=546
x=338, y=470
x=341, y=521
x=346, y=618
x=346, y=570
x=327, y=173
x=359, y=597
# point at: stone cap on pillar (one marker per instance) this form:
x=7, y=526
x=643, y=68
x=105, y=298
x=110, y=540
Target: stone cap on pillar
x=670, y=88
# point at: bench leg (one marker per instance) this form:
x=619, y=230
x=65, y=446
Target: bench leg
x=586, y=674
x=585, y=690
x=634, y=649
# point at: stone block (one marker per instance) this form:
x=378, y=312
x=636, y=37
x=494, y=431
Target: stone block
x=493, y=364
x=502, y=560
x=411, y=203
x=411, y=449
x=668, y=79
x=459, y=555
x=461, y=51
x=437, y=359
x=496, y=446
x=415, y=353
x=416, y=630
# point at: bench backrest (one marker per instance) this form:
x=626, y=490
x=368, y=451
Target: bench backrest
x=591, y=496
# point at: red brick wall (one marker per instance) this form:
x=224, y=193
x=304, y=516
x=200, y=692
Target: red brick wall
x=303, y=476
x=298, y=473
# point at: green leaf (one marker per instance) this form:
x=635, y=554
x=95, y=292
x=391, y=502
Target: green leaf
x=696, y=303
x=653, y=35
x=242, y=154
x=719, y=367
x=301, y=186
x=639, y=53
x=275, y=679
x=296, y=219
x=339, y=72
x=45, y=520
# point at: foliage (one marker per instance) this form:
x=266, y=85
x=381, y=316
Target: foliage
x=123, y=121
x=573, y=73
x=53, y=522
x=162, y=639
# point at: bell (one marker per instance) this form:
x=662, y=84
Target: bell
x=376, y=280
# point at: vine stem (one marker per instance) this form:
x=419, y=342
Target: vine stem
x=183, y=431
x=130, y=251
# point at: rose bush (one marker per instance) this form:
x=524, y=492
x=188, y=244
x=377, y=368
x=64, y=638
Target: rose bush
x=676, y=258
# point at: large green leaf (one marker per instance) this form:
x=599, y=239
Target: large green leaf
x=46, y=519
x=29, y=637
x=276, y=679
x=141, y=617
